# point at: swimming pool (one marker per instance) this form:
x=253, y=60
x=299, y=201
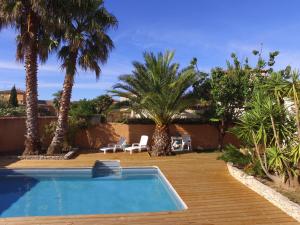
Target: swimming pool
x=104, y=189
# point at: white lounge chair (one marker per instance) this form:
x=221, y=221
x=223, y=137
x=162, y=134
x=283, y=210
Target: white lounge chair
x=186, y=142
x=138, y=146
x=113, y=147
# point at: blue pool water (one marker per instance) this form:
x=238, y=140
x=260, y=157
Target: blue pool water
x=56, y=192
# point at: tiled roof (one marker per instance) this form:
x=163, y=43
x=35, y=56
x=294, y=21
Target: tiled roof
x=19, y=91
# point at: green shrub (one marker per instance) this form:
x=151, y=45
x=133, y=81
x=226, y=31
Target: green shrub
x=3, y=104
x=232, y=154
x=15, y=111
x=255, y=169
x=74, y=125
x=82, y=109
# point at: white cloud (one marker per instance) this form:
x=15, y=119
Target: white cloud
x=113, y=69
x=96, y=85
x=19, y=66
x=5, y=84
x=162, y=37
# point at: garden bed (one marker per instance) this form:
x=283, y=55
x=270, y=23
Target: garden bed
x=66, y=156
x=269, y=193
x=294, y=196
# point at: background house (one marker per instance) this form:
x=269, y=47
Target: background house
x=21, y=96
x=196, y=112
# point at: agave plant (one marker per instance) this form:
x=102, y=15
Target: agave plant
x=158, y=90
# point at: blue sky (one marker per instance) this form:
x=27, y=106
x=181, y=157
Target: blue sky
x=207, y=29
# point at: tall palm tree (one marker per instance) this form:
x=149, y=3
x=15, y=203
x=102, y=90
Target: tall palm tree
x=32, y=21
x=86, y=44
x=157, y=90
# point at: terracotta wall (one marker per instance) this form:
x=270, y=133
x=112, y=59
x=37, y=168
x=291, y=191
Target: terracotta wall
x=203, y=135
x=101, y=135
x=12, y=132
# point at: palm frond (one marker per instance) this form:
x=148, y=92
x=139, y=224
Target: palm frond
x=84, y=34
x=157, y=88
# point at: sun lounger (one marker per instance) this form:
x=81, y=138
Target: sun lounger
x=113, y=147
x=138, y=146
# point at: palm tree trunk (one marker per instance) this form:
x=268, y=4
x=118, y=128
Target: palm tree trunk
x=32, y=138
x=161, y=141
x=62, y=121
x=222, y=132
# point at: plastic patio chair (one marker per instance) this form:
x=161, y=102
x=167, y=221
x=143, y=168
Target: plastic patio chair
x=113, y=147
x=186, y=142
x=138, y=146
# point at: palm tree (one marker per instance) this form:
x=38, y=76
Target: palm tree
x=56, y=100
x=32, y=21
x=157, y=90
x=86, y=44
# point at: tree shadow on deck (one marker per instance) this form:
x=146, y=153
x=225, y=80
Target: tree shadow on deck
x=207, y=150
x=7, y=160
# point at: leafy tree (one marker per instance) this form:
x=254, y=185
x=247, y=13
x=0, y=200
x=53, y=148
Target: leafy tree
x=85, y=44
x=230, y=89
x=13, y=100
x=202, y=89
x=102, y=104
x=264, y=67
x=82, y=109
x=202, y=86
x=34, y=22
x=156, y=89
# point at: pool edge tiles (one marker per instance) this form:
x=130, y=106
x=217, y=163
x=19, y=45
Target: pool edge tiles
x=133, y=175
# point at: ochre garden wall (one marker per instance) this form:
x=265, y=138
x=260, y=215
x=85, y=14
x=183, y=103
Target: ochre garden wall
x=12, y=132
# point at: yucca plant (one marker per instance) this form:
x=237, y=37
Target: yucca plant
x=268, y=128
x=158, y=90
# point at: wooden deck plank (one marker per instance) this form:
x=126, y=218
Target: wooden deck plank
x=212, y=195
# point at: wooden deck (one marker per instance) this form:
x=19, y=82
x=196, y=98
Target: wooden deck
x=212, y=195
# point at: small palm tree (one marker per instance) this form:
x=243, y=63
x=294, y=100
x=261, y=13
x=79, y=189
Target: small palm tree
x=86, y=44
x=157, y=90
x=33, y=21
x=56, y=100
